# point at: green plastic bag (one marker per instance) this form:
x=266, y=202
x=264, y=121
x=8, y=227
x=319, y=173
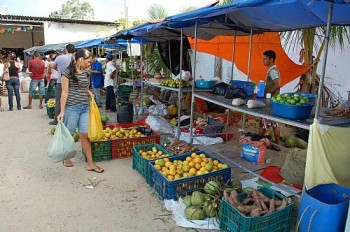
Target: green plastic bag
x=62, y=145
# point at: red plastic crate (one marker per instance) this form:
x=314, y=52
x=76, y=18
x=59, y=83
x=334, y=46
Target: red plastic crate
x=122, y=148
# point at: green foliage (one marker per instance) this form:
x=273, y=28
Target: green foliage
x=156, y=12
x=74, y=9
x=155, y=61
x=224, y=2
x=187, y=9
x=137, y=22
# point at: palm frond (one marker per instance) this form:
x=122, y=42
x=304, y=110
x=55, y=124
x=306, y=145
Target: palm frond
x=156, y=12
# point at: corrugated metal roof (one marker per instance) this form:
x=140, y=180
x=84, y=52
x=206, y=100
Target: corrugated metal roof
x=36, y=20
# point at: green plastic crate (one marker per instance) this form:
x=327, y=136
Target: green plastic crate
x=232, y=220
x=50, y=112
x=36, y=94
x=141, y=164
x=101, y=151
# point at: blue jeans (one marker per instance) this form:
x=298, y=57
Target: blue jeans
x=13, y=84
x=77, y=116
x=97, y=95
x=39, y=84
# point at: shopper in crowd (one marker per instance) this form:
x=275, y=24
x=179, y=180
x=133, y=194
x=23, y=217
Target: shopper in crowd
x=111, y=71
x=13, y=84
x=272, y=86
x=75, y=103
x=61, y=63
x=96, y=78
x=52, y=74
x=37, y=68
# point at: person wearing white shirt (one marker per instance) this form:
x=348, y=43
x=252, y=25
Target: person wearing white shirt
x=111, y=70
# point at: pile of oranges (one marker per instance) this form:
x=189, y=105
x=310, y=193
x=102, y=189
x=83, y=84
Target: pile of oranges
x=121, y=133
x=152, y=154
x=193, y=165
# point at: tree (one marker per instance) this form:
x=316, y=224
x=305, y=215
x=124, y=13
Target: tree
x=156, y=12
x=74, y=9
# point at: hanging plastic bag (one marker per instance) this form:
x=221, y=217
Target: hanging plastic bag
x=62, y=145
x=95, y=132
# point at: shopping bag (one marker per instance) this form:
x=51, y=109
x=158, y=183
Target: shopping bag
x=95, y=132
x=62, y=145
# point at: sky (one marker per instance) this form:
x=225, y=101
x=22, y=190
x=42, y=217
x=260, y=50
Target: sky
x=105, y=10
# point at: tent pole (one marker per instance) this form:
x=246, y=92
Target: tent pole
x=250, y=53
x=320, y=84
x=248, y=73
x=142, y=72
x=193, y=81
x=233, y=54
x=179, y=97
x=170, y=63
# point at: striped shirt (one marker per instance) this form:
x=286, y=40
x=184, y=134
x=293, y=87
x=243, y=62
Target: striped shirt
x=77, y=94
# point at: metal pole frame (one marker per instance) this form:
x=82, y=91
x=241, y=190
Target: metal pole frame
x=169, y=50
x=233, y=54
x=180, y=89
x=193, y=81
x=248, y=73
x=320, y=85
x=142, y=72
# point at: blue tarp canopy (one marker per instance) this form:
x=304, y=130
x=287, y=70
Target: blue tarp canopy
x=278, y=15
x=99, y=43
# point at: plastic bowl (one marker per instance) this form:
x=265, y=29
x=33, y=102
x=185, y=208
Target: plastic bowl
x=203, y=84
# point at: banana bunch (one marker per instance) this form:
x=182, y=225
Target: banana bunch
x=51, y=103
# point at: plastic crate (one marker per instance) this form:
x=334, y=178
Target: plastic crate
x=50, y=112
x=166, y=189
x=101, y=151
x=122, y=148
x=124, y=92
x=203, y=84
x=293, y=112
x=233, y=220
x=36, y=94
x=141, y=164
x=248, y=87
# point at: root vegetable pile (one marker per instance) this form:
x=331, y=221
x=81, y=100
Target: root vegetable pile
x=339, y=112
x=256, y=204
x=180, y=147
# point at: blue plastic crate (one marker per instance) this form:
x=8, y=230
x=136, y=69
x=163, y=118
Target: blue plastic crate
x=233, y=220
x=247, y=86
x=141, y=164
x=293, y=112
x=203, y=84
x=166, y=189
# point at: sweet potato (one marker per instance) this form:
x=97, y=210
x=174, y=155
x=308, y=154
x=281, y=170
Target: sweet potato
x=255, y=212
x=272, y=207
x=246, y=201
x=231, y=201
x=225, y=195
x=263, y=205
x=246, y=209
x=282, y=206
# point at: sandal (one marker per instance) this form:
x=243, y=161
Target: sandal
x=27, y=108
x=96, y=169
x=68, y=164
x=275, y=148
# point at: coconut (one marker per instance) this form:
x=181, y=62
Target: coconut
x=187, y=200
x=299, y=143
x=197, y=198
x=211, y=187
x=290, y=142
x=236, y=185
x=194, y=213
x=210, y=209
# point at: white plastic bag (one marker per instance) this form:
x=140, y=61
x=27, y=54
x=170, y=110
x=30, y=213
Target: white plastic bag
x=238, y=102
x=159, y=124
x=255, y=104
x=62, y=145
x=159, y=109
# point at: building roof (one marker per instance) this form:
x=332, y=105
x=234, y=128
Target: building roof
x=40, y=20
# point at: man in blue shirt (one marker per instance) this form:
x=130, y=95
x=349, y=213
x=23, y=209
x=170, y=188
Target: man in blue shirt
x=97, y=79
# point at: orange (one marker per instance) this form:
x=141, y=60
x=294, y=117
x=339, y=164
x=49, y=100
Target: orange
x=166, y=159
x=193, y=171
x=172, y=172
x=168, y=164
x=197, y=166
x=158, y=167
x=193, y=155
x=164, y=169
x=188, y=159
x=215, y=162
x=197, y=160
x=186, y=167
x=202, y=156
x=203, y=164
x=191, y=164
x=170, y=177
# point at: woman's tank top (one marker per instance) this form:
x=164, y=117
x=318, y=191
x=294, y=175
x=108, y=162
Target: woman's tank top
x=13, y=70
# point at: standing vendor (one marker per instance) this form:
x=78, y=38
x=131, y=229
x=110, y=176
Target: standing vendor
x=272, y=86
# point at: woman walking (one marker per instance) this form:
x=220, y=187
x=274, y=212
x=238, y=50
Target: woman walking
x=75, y=103
x=13, y=84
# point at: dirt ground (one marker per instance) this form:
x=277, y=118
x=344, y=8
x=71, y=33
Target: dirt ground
x=38, y=195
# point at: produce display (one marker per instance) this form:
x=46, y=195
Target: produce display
x=255, y=203
x=51, y=103
x=177, y=146
x=194, y=165
x=291, y=99
x=130, y=74
x=123, y=133
x=342, y=110
x=207, y=205
x=152, y=154
x=175, y=83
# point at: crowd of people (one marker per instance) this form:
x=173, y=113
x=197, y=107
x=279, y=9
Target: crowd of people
x=76, y=76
